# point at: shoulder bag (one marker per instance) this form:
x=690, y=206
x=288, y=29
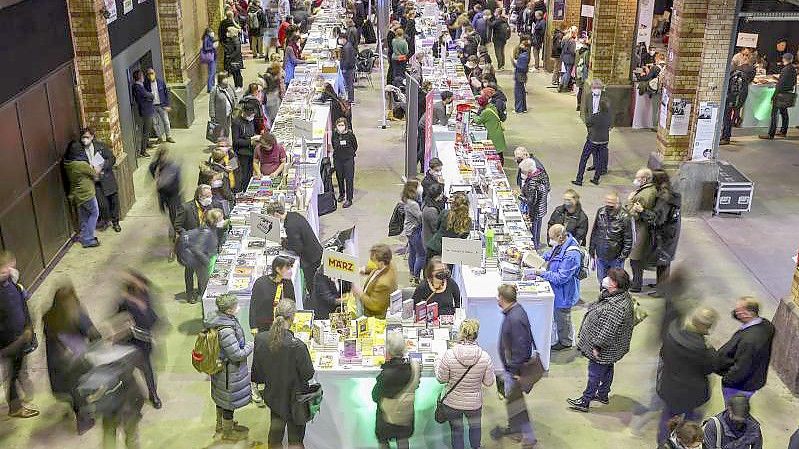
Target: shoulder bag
x=785, y=99
x=440, y=415
x=531, y=371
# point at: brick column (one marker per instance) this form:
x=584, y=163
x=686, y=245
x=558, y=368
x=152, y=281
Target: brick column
x=97, y=88
x=699, y=43
x=611, y=53
x=571, y=17
x=215, y=15
x=170, y=25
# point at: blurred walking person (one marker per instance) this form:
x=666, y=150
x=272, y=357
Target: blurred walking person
x=283, y=364
x=68, y=331
x=605, y=337
x=230, y=387
x=664, y=220
x=639, y=202
x=166, y=173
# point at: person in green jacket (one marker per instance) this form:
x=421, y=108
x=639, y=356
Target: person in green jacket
x=489, y=117
x=399, y=56
x=81, y=177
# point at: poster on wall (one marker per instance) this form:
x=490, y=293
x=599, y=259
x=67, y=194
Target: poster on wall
x=664, y=109
x=587, y=11
x=558, y=9
x=705, y=131
x=127, y=6
x=680, y=112
x=111, y=7
x=645, y=12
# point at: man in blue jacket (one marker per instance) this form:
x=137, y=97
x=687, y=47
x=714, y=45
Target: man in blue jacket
x=515, y=349
x=157, y=87
x=565, y=259
x=144, y=102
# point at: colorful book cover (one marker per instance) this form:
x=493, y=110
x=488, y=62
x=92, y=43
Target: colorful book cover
x=421, y=311
x=303, y=321
x=350, y=348
x=432, y=313
x=407, y=309
x=415, y=356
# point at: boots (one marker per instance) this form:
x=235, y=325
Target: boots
x=219, y=420
x=231, y=433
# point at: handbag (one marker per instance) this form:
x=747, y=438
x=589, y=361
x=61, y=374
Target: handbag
x=326, y=203
x=531, y=371
x=211, y=133
x=784, y=99
x=32, y=345
x=440, y=415
x=305, y=404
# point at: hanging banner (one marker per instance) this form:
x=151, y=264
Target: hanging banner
x=646, y=10
x=587, y=11
x=111, y=7
x=680, y=114
x=558, y=9
x=705, y=135
x=462, y=251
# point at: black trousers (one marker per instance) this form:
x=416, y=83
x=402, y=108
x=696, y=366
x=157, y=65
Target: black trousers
x=109, y=205
x=13, y=367
x=238, y=80
x=637, y=267
x=772, y=130
x=170, y=204
x=278, y=427
x=345, y=175
x=146, y=130
x=499, y=50
x=145, y=364
x=599, y=151
x=245, y=171
x=308, y=272
x=202, y=280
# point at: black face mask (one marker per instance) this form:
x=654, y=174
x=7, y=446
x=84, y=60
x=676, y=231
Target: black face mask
x=735, y=317
x=442, y=275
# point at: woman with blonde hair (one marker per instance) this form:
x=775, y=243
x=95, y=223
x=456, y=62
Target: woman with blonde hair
x=454, y=222
x=465, y=369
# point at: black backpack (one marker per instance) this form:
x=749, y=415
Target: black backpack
x=397, y=221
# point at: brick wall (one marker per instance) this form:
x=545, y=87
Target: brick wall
x=571, y=17
x=96, y=87
x=612, y=40
x=795, y=287
x=170, y=23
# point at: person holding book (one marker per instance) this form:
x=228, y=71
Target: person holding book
x=380, y=282
x=267, y=292
x=465, y=369
x=438, y=288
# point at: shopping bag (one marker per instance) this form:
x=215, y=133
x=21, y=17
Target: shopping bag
x=211, y=131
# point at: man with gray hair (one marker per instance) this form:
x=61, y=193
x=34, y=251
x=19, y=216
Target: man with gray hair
x=598, y=121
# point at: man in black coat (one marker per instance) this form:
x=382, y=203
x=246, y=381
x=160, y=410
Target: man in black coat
x=189, y=214
x=300, y=239
x=786, y=86
x=743, y=361
x=146, y=107
x=686, y=360
x=611, y=237
x=103, y=160
x=598, y=121
x=243, y=131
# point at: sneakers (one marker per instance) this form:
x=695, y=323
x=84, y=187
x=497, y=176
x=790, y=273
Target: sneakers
x=560, y=347
x=23, y=412
x=724, y=141
x=765, y=137
x=578, y=404
x=347, y=204
x=340, y=199
x=577, y=183
x=117, y=228
x=93, y=244
x=594, y=181
x=170, y=139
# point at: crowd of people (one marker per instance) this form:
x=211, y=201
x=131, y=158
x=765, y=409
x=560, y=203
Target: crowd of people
x=643, y=228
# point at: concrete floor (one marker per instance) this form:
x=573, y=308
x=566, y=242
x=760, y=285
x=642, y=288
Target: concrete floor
x=729, y=257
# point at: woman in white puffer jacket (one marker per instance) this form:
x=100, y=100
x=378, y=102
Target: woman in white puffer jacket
x=466, y=399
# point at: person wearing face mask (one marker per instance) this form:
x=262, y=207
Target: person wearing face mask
x=208, y=56
x=82, y=193
x=683, y=434
x=269, y=157
x=300, y=239
x=102, y=160
x=144, y=102
x=686, y=360
x=348, y=61
x=412, y=227
x=563, y=266
x=234, y=60
x=268, y=290
x=438, y=288
x=598, y=122
x=521, y=66
x=522, y=153
x=157, y=87
x=230, y=387
x=16, y=335
x=221, y=103
x=640, y=201
x=254, y=99
x=345, y=146
x=432, y=208
x=743, y=361
x=570, y=214
x=196, y=249
x=611, y=237
x=221, y=195
x=733, y=428
x=243, y=136
x=604, y=337
x=381, y=281
x=433, y=176
x=191, y=214
x=533, y=194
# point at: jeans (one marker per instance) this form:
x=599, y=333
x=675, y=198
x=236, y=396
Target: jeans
x=278, y=427
x=13, y=369
x=130, y=425
x=772, y=130
x=226, y=414
x=162, y=125
x=519, y=97
x=599, y=379
x=211, y=76
x=399, y=73
x=146, y=131
x=566, y=78
x=349, y=83
x=455, y=419
x=667, y=414
x=416, y=252
x=518, y=418
x=536, y=231
x=602, y=267
x=599, y=151
x=499, y=50
x=728, y=392
x=108, y=205
x=202, y=280
x=345, y=175
x=563, y=323
x=88, y=213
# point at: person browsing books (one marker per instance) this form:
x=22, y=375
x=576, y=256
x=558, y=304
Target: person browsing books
x=438, y=288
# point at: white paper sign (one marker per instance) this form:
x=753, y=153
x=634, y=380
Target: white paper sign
x=340, y=266
x=303, y=128
x=462, y=251
x=111, y=7
x=680, y=114
x=663, y=119
x=264, y=227
x=747, y=40
x=587, y=11
x=127, y=6
x=705, y=130
x=645, y=14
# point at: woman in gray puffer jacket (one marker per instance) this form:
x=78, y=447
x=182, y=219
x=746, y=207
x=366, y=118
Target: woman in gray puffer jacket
x=230, y=387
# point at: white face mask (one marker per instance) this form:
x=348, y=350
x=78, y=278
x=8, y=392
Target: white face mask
x=637, y=182
x=217, y=183
x=86, y=141
x=419, y=191
x=596, y=92
x=220, y=224
x=205, y=202
x=341, y=129
x=606, y=282
x=553, y=242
